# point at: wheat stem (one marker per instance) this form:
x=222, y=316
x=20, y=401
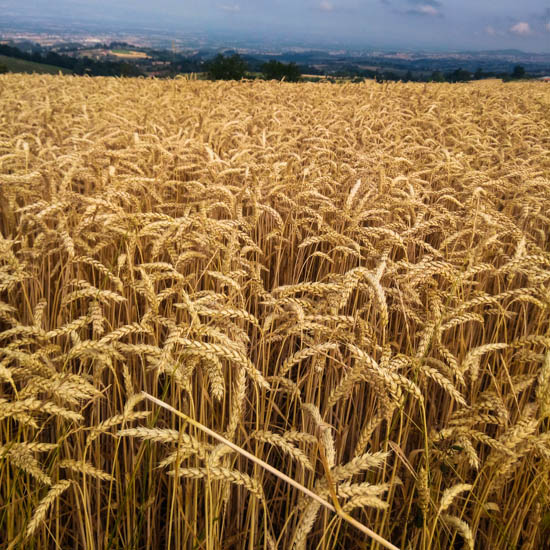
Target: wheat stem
x=333, y=508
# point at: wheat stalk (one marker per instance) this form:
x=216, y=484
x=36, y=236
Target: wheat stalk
x=274, y=471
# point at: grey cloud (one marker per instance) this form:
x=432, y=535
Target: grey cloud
x=232, y=8
x=425, y=10
x=434, y=3
x=325, y=5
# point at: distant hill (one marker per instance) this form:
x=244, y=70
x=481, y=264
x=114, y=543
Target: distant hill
x=15, y=65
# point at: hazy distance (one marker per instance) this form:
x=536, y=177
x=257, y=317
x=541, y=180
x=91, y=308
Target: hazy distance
x=405, y=24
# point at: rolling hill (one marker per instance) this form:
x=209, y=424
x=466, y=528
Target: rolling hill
x=15, y=65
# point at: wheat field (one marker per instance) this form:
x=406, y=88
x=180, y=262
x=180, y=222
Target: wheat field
x=349, y=282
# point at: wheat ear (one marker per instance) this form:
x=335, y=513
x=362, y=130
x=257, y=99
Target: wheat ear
x=336, y=508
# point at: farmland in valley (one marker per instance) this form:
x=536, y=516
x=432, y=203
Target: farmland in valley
x=129, y=54
x=350, y=282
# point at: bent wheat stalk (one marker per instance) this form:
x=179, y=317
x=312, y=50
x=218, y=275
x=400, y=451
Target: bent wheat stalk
x=336, y=508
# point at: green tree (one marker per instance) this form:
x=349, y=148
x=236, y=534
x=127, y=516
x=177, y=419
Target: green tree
x=519, y=72
x=459, y=75
x=128, y=69
x=226, y=68
x=275, y=70
x=438, y=76
x=3, y=68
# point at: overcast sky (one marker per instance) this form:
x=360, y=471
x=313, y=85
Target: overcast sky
x=432, y=24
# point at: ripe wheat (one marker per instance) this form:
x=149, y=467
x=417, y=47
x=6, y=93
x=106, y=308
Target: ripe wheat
x=348, y=282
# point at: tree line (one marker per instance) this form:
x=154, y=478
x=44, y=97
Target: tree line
x=458, y=75
x=234, y=67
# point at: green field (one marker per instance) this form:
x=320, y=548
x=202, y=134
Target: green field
x=16, y=65
x=134, y=54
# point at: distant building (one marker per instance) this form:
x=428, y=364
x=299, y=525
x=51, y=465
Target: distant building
x=545, y=78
